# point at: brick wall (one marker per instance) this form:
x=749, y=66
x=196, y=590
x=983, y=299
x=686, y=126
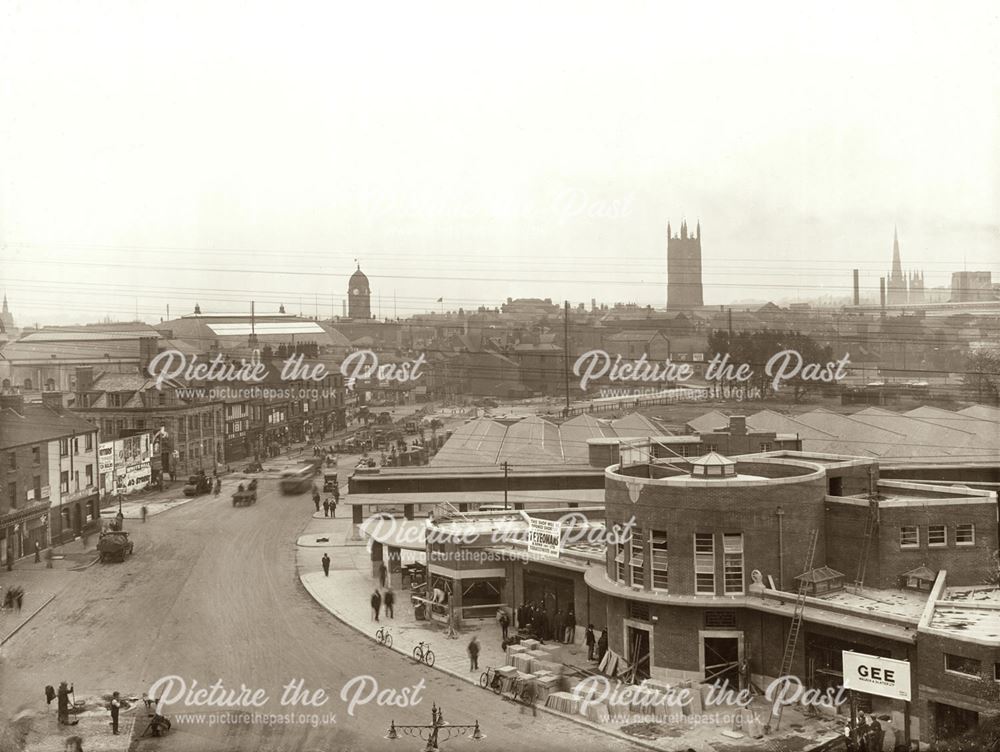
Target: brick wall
x=718, y=509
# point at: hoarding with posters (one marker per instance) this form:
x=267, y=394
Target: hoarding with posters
x=124, y=464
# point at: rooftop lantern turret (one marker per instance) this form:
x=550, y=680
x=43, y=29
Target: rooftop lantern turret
x=713, y=465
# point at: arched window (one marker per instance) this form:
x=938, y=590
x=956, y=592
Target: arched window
x=50, y=385
x=6, y=384
x=27, y=385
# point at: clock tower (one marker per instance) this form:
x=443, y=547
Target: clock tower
x=359, y=296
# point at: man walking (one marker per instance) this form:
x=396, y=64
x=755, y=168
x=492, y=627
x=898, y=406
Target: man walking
x=115, y=706
x=326, y=508
x=570, y=627
x=504, y=623
x=590, y=640
x=381, y=574
x=474, y=654
x=390, y=601
x=316, y=498
x=376, y=603
x=326, y=565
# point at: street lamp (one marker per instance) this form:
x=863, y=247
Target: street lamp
x=431, y=733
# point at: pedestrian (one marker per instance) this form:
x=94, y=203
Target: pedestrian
x=390, y=601
x=316, y=498
x=63, y=703
x=326, y=565
x=143, y=512
x=326, y=508
x=474, y=654
x=602, y=644
x=570, y=628
x=376, y=603
x=115, y=706
x=333, y=506
x=590, y=640
x=38, y=552
x=19, y=597
x=504, y=623
x=382, y=572
x=218, y=486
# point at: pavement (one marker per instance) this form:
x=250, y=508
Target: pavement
x=346, y=594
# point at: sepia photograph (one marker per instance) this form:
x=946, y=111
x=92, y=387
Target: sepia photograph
x=569, y=375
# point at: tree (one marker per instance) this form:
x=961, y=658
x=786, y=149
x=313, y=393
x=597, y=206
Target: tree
x=982, y=374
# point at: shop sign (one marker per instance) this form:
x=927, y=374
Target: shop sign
x=544, y=537
x=885, y=677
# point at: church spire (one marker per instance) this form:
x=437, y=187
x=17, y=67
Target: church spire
x=897, y=265
x=5, y=309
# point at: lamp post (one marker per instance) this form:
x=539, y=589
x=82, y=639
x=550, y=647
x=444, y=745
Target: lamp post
x=431, y=733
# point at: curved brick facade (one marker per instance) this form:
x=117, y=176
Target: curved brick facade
x=679, y=508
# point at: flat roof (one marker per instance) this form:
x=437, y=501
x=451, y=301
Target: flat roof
x=588, y=496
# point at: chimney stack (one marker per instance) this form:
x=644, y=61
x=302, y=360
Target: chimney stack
x=881, y=294
x=857, y=291
x=737, y=425
x=148, y=350
x=53, y=400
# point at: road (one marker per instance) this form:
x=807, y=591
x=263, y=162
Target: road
x=211, y=593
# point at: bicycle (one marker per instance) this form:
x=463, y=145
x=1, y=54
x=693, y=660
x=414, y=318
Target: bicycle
x=423, y=654
x=492, y=680
x=384, y=637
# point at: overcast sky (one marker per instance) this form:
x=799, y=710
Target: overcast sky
x=167, y=153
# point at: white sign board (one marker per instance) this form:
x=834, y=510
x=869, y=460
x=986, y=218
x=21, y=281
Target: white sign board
x=872, y=675
x=543, y=537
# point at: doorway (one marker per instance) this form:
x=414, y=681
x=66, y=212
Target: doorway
x=721, y=658
x=637, y=647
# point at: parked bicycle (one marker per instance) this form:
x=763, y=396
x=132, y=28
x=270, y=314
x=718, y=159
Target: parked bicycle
x=511, y=687
x=422, y=653
x=384, y=637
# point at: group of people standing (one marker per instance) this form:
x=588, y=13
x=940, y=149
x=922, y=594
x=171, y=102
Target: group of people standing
x=596, y=646
x=560, y=626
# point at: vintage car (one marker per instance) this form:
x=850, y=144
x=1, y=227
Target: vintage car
x=297, y=481
x=329, y=481
x=114, y=545
x=197, y=485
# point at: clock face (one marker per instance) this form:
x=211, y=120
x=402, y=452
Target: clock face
x=355, y=291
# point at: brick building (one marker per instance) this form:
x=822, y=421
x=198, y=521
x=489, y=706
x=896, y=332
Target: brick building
x=721, y=554
x=49, y=465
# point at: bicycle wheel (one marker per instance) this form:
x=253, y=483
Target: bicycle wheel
x=429, y=658
x=388, y=640
x=484, y=680
x=418, y=654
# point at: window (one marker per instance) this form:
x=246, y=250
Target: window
x=12, y=493
x=965, y=534
x=996, y=672
x=76, y=480
x=88, y=442
x=704, y=563
x=765, y=446
x=658, y=549
x=12, y=460
x=64, y=481
x=937, y=535
x=958, y=664
x=161, y=398
x=620, y=562
x=909, y=536
x=90, y=475
x=76, y=445
x=63, y=447
x=732, y=550
x=711, y=448
x=37, y=482
x=637, y=559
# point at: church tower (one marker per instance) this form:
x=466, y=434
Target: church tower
x=684, y=268
x=359, y=296
x=6, y=318
x=896, y=288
